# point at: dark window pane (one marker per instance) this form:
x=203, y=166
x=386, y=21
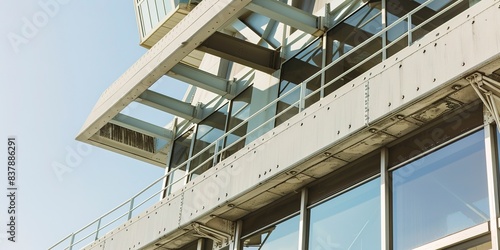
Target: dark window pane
x=441, y=193
x=345, y=36
x=240, y=110
x=180, y=154
x=208, y=131
x=294, y=72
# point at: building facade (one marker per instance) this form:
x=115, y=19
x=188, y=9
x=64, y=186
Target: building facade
x=356, y=124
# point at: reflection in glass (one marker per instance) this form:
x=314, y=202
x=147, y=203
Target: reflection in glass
x=350, y=33
x=153, y=12
x=294, y=72
x=160, y=8
x=348, y=221
x=240, y=110
x=208, y=131
x=180, y=154
x=145, y=18
x=440, y=194
x=283, y=236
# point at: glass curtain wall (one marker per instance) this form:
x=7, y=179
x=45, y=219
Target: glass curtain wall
x=354, y=30
x=433, y=192
x=351, y=32
x=441, y=193
x=208, y=131
x=240, y=111
x=294, y=72
x=421, y=20
x=180, y=154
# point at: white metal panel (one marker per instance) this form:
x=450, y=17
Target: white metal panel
x=141, y=230
x=435, y=61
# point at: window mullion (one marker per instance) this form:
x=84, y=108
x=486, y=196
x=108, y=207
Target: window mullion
x=385, y=214
x=492, y=177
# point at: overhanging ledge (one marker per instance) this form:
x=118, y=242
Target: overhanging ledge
x=162, y=57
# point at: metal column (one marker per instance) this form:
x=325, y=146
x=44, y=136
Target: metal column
x=385, y=205
x=492, y=176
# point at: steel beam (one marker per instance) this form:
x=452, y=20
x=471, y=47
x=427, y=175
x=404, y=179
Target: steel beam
x=200, y=79
x=250, y=34
x=142, y=126
x=287, y=14
x=242, y=52
x=267, y=33
x=170, y=105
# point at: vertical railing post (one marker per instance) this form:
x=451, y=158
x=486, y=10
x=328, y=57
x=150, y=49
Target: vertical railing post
x=216, y=151
x=384, y=25
x=131, y=208
x=410, y=38
x=72, y=241
x=98, y=228
x=302, y=95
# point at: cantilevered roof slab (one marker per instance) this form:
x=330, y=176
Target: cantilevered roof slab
x=208, y=17
x=198, y=32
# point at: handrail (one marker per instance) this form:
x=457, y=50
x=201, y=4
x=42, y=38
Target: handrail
x=299, y=103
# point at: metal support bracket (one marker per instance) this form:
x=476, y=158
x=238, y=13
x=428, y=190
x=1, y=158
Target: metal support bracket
x=220, y=238
x=232, y=88
x=488, y=91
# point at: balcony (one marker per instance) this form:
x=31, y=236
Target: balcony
x=155, y=18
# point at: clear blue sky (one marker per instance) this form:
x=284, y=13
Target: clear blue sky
x=55, y=61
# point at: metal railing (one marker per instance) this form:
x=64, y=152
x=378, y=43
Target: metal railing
x=133, y=204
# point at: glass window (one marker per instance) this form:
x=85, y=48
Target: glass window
x=208, y=131
x=169, y=6
x=348, y=221
x=440, y=194
x=397, y=9
x=282, y=236
x=153, y=12
x=345, y=36
x=160, y=7
x=452, y=121
x=180, y=154
x=145, y=18
x=294, y=72
x=240, y=110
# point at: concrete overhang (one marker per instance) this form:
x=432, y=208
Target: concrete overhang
x=386, y=103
